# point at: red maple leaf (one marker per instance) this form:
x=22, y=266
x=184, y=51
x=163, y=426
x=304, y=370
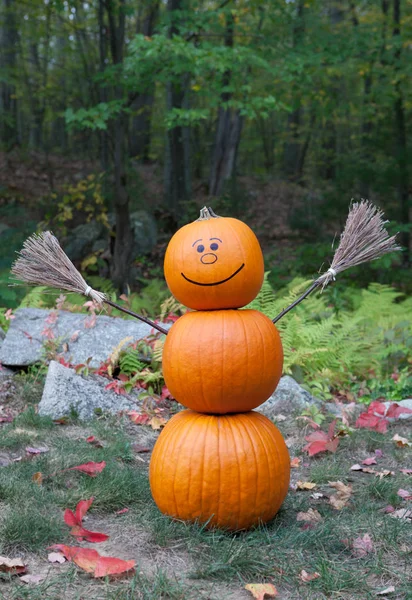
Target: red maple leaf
x=377, y=415
x=90, y=468
x=92, y=562
x=75, y=521
x=137, y=418
x=320, y=441
x=117, y=387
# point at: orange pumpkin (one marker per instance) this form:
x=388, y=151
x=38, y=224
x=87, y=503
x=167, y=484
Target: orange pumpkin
x=229, y=471
x=214, y=262
x=222, y=361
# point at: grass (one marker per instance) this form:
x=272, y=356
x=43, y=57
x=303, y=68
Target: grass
x=183, y=561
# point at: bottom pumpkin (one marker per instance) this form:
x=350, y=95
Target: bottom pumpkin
x=231, y=471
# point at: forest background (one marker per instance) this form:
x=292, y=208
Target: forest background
x=277, y=112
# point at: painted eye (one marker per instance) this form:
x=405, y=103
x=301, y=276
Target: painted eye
x=200, y=248
x=214, y=246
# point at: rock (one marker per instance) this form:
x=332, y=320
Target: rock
x=23, y=344
x=5, y=373
x=144, y=232
x=2, y=335
x=336, y=410
x=405, y=404
x=289, y=397
x=81, y=240
x=65, y=392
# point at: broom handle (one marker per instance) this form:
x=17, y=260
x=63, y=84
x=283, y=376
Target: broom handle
x=132, y=314
x=314, y=285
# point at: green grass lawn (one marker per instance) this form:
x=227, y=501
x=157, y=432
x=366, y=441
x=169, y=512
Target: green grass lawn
x=184, y=561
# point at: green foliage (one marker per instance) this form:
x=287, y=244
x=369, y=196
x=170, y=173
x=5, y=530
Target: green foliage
x=367, y=341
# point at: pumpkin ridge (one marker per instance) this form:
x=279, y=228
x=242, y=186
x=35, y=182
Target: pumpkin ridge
x=263, y=351
x=192, y=424
x=246, y=429
x=266, y=451
x=233, y=426
x=278, y=458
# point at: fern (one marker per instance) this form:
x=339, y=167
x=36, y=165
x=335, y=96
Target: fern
x=35, y=298
x=130, y=364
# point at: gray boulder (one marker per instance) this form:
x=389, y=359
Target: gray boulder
x=24, y=341
x=81, y=240
x=288, y=398
x=65, y=392
x=144, y=232
x=2, y=335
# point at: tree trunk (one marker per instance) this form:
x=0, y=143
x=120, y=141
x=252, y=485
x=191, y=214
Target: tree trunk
x=123, y=244
x=177, y=159
x=292, y=150
x=8, y=103
x=400, y=137
x=139, y=139
x=104, y=135
x=228, y=131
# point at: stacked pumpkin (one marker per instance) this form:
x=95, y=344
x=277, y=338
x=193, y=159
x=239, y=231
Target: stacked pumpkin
x=219, y=462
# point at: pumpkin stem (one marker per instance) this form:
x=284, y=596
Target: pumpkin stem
x=207, y=213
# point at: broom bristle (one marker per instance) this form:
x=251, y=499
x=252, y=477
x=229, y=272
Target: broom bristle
x=42, y=262
x=363, y=239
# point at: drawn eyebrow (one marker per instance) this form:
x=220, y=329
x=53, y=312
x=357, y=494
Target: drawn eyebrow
x=197, y=241
x=217, y=239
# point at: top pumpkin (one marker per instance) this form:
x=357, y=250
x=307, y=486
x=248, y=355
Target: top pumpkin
x=214, y=263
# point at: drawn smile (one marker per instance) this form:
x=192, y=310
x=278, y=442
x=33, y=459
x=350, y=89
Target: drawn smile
x=216, y=282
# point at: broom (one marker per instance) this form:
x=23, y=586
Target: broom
x=364, y=238
x=43, y=262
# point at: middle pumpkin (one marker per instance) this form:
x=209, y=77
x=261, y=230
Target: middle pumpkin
x=222, y=361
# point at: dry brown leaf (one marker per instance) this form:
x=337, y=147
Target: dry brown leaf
x=56, y=557
x=307, y=577
x=388, y=590
x=342, y=496
x=362, y=546
x=317, y=495
x=401, y=441
x=305, y=485
x=37, y=478
x=402, y=513
x=14, y=566
x=33, y=579
x=312, y=516
x=356, y=467
x=260, y=590
x=157, y=422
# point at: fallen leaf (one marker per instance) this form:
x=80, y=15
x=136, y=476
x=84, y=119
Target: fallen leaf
x=387, y=590
x=13, y=566
x=320, y=441
x=307, y=577
x=291, y=441
x=106, y=565
x=406, y=471
x=312, y=516
x=295, y=463
x=122, y=511
x=74, y=520
x=377, y=415
x=369, y=461
x=378, y=453
x=56, y=557
x=405, y=494
x=279, y=418
x=356, y=467
x=157, y=422
x=34, y=579
x=138, y=418
x=90, y=468
x=342, y=496
x=402, y=513
x=388, y=509
x=95, y=442
x=37, y=478
x=6, y=419
x=305, y=485
x=34, y=451
x=92, y=562
x=362, y=546
x=260, y=590
x=317, y=495
x=401, y=441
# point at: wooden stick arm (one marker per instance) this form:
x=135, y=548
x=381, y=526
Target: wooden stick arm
x=132, y=314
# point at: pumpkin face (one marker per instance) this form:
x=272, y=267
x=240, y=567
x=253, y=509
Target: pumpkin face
x=229, y=471
x=222, y=361
x=215, y=262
